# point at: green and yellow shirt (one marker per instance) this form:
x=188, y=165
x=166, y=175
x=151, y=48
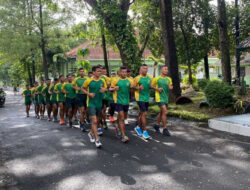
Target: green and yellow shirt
x=122, y=95
x=68, y=87
x=27, y=95
x=45, y=91
x=60, y=95
x=40, y=96
x=53, y=96
x=106, y=95
x=143, y=95
x=78, y=82
x=162, y=82
x=94, y=86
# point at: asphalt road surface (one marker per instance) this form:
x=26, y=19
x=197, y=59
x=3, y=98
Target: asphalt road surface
x=40, y=155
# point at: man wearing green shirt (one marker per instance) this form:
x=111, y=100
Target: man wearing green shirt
x=162, y=85
x=81, y=98
x=35, y=96
x=61, y=99
x=46, y=94
x=27, y=99
x=41, y=100
x=142, y=85
x=69, y=91
x=53, y=99
x=121, y=87
x=94, y=88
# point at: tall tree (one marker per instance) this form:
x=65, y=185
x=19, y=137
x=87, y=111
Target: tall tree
x=237, y=42
x=169, y=44
x=224, y=42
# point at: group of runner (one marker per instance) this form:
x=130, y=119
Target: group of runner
x=91, y=95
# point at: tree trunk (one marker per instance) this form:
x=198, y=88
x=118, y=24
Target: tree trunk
x=190, y=79
x=224, y=42
x=45, y=64
x=104, y=47
x=169, y=44
x=237, y=42
x=29, y=73
x=33, y=70
x=206, y=67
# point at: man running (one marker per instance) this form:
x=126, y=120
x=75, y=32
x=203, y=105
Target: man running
x=69, y=91
x=121, y=87
x=81, y=98
x=105, y=101
x=27, y=99
x=94, y=88
x=35, y=96
x=142, y=85
x=131, y=96
x=61, y=99
x=45, y=92
x=111, y=101
x=41, y=100
x=53, y=99
x=162, y=85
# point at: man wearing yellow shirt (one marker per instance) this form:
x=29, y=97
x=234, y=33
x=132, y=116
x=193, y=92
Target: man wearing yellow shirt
x=162, y=85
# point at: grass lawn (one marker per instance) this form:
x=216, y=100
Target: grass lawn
x=192, y=111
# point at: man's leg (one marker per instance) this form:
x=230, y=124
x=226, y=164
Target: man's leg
x=144, y=120
x=164, y=116
x=61, y=105
x=49, y=111
x=55, y=111
x=121, y=124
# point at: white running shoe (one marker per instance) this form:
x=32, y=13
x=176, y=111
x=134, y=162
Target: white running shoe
x=98, y=144
x=126, y=121
x=91, y=137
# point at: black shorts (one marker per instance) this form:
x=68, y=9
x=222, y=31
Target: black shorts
x=70, y=103
x=105, y=103
x=120, y=107
x=160, y=104
x=143, y=106
x=81, y=100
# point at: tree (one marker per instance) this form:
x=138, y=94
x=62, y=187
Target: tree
x=118, y=23
x=169, y=44
x=224, y=42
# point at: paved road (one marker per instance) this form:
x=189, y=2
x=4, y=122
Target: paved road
x=40, y=155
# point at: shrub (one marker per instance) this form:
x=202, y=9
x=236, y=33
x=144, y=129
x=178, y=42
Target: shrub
x=202, y=83
x=219, y=94
x=186, y=81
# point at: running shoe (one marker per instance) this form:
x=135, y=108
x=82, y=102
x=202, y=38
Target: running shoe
x=62, y=122
x=91, y=137
x=117, y=132
x=82, y=127
x=166, y=132
x=138, y=131
x=105, y=126
x=48, y=119
x=98, y=144
x=157, y=128
x=124, y=139
x=99, y=131
x=126, y=121
x=111, y=119
x=70, y=124
x=146, y=135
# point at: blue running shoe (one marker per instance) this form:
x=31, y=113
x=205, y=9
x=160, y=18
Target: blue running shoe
x=82, y=127
x=99, y=131
x=157, y=128
x=124, y=139
x=146, y=135
x=138, y=131
x=166, y=132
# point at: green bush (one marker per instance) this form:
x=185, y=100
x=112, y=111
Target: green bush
x=219, y=94
x=186, y=81
x=202, y=83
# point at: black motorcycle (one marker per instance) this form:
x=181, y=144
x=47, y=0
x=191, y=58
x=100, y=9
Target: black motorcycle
x=2, y=100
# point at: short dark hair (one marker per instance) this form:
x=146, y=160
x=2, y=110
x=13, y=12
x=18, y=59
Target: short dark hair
x=48, y=79
x=61, y=76
x=55, y=79
x=90, y=72
x=81, y=69
x=123, y=68
x=144, y=65
x=69, y=75
x=94, y=68
x=27, y=85
x=41, y=80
